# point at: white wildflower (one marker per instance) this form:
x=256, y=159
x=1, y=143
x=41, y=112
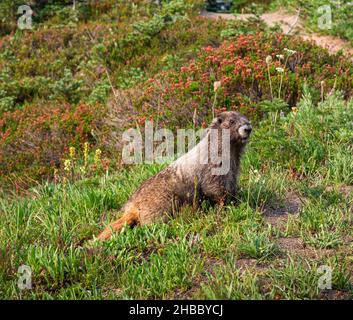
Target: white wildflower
x=268, y=59
x=289, y=51
x=216, y=85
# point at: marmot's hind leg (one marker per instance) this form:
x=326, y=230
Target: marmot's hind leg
x=129, y=218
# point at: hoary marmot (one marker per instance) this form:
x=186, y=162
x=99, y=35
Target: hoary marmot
x=187, y=178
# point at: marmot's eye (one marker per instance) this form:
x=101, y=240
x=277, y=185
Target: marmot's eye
x=219, y=120
x=231, y=121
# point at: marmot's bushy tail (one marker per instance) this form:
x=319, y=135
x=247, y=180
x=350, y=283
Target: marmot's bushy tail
x=129, y=218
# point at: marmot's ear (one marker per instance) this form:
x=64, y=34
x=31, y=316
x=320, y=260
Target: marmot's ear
x=219, y=119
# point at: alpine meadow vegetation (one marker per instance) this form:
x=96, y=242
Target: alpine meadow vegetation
x=70, y=87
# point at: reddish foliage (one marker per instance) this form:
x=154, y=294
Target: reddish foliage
x=34, y=139
x=240, y=65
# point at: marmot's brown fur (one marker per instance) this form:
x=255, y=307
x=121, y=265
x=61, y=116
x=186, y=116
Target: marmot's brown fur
x=184, y=180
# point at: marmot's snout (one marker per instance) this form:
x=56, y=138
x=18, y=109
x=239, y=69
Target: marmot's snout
x=245, y=131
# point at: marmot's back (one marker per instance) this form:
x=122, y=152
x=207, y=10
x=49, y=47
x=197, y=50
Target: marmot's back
x=153, y=200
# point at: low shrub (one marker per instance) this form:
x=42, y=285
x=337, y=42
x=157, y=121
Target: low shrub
x=33, y=140
x=250, y=72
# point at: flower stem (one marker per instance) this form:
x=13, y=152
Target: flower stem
x=214, y=103
x=269, y=79
x=282, y=75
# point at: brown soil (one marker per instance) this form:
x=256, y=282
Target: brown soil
x=296, y=247
x=277, y=214
x=345, y=189
x=245, y=263
x=335, y=295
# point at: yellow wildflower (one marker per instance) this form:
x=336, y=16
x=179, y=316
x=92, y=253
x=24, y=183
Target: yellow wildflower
x=72, y=152
x=67, y=164
x=56, y=175
x=85, y=153
x=97, y=157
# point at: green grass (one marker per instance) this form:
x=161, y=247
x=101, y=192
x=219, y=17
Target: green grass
x=249, y=249
x=231, y=252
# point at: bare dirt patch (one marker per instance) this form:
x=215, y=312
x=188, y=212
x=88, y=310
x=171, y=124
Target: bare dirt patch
x=296, y=246
x=345, y=189
x=335, y=295
x=245, y=263
x=277, y=214
x=291, y=205
x=331, y=43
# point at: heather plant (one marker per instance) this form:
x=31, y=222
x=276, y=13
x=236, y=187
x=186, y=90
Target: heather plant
x=100, y=93
x=130, y=78
x=246, y=79
x=58, y=13
x=34, y=139
x=80, y=69
x=80, y=57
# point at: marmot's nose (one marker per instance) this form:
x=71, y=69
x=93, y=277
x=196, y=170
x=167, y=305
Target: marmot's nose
x=248, y=129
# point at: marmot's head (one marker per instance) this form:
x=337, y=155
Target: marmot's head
x=239, y=126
